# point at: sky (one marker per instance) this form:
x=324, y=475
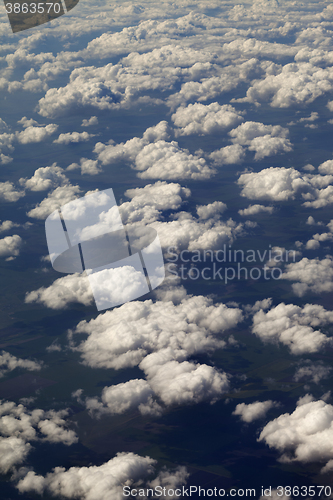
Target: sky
x=211, y=121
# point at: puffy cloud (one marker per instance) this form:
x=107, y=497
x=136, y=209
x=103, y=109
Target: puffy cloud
x=326, y=167
x=13, y=451
x=33, y=134
x=250, y=412
x=312, y=245
x=255, y=209
x=211, y=210
x=265, y=140
x=292, y=84
x=6, y=225
x=148, y=202
x=167, y=64
x=8, y=363
x=246, y=132
x=169, y=383
x=222, y=79
x=45, y=178
x=73, y=288
x=26, y=122
x=19, y=426
x=315, y=188
x=10, y=246
x=274, y=183
x=93, y=120
x=142, y=330
x=121, y=397
x=166, y=160
x=293, y=326
x=128, y=151
x=190, y=233
x=304, y=435
x=205, y=119
x=312, y=372
x=9, y=193
x=104, y=481
x=154, y=157
x=57, y=198
x=323, y=197
x=87, y=166
x=228, y=155
x=4, y=159
x=160, y=350
x=72, y=137
x=310, y=275
x=268, y=146
x=185, y=382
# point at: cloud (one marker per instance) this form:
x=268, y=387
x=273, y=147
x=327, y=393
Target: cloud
x=312, y=372
x=9, y=193
x=294, y=84
x=33, y=134
x=73, y=137
x=250, y=412
x=160, y=349
x=25, y=122
x=183, y=231
x=73, y=288
x=57, y=198
x=205, y=119
x=310, y=275
x=90, y=167
x=166, y=160
x=293, y=326
x=10, y=246
x=80, y=482
x=45, y=178
x=326, y=167
x=245, y=133
x=7, y=225
x=169, y=383
x=142, y=330
x=282, y=184
x=19, y=426
x=190, y=233
x=155, y=158
x=147, y=203
x=178, y=383
x=8, y=363
x=211, y=210
x=93, y=120
x=127, y=151
x=228, y=155
x=119, y=398
x=4, y=160
x=303, y=436
x=255, y=209
x=274, y=183
x=13, y=451
x=265, y=140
